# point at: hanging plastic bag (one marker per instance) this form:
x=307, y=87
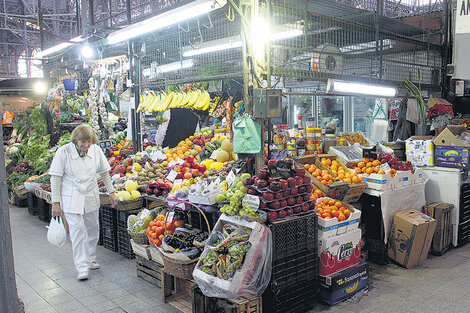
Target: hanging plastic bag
x=8, y=117
x=246, y=136
x=237, y=259
x=56, y=234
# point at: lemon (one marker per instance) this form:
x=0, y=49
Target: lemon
x=137, y=167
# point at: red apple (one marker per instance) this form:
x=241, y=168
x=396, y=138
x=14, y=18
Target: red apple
x=300, y=171
x=299, y=200
x=179, y=176
x=286, y=193
x=275, y=186
x=305, y=206
x=129, y=169
x=195, y=172
x=252, y=191
x=291, y=201
x=284, y=184
x=262, y=204
x=302, y=189
x=278, y=195
x=306, y=197
x=263, y=173
x=308, y=189
x=283, y=203
x=185, y=170
x=202, y=168
x=248, y=181
x=298, y=209
x=275, y=205
x=294, y=191
x=299, y=180
x=189, y=159
x=268, y=196
x=262, y=183
x=282, y=214
x=186, y=165
x=290, y=211
x=272, y=216
x=291, y=182
x=195, y=165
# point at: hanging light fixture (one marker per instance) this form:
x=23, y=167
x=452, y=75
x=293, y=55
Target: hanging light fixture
x=349, y=87
x=59, y=47
x=172, y=17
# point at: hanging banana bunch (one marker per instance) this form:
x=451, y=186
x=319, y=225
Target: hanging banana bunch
x=196, y=99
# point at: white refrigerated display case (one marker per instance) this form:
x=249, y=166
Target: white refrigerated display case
x=444, y=185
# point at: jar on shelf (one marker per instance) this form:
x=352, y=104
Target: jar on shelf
x=280, y=137
x=330, y=141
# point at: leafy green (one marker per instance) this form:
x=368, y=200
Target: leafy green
x=17, y=179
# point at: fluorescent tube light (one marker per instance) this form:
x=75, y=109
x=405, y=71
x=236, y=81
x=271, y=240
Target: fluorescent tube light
x=172, y=17
x=153, y=72
x=233, y=42
x=366, y=47
x=59, y=47
x=348, y=87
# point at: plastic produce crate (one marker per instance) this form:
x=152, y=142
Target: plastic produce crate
x=44, y=210
x=300, y=266
x=110, y=238
x=108, y=215
x=196, y=220
x=298, y=297
x=123, y=238
x=32, y=203
x=291, y=236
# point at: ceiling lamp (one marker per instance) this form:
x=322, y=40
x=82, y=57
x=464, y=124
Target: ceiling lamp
x=349, y=87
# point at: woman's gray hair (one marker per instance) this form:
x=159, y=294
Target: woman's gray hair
x=83, y=132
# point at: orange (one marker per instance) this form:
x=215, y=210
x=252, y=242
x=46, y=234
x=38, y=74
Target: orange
x=334, y=162
x=341, y=209
x=369, y=164
x=364, y=169
x=331, y=202
x=348, y=180
x=307, y=166
x=380, y=172
x=365, y=160
x=347, y=213
x=328, y=161
x=358, y=170
x=319, y=192
x=361, y=179
x=325, y=201
x=324, y=182
x=329, y=182
x=326, y=216
x=355, y=180
x=335, y=213
x=324, y=162
x=376, y=163
x=334, y=167
x=327, y=211
x=341, y=217
x=180, y=144
x=366, y=175
x=311, y=170
x=338, y=204
x=361, y=164
x=369, y=170
x=340, y=176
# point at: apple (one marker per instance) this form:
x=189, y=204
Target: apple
x=302, y=189
x=283, y=203
x=255, y=180
x=262, y=183
x=298, y=209
x=275, y=186
x=299, y=200
x=252, y=191
x=294, y=191
x=186, y=165
x=291, y=201
x=306, y=197
x=263, y=173
x=306, y=180
x=177, y=168
x=262, y=205
x=300, y=171
x=248, y=181
x=268, y=196
x=195, y=165
x=194, y=172
x=312, y=205
x=202, y=168
x=308, y=189
x=275, y=205
x=272, y=216
x=298, y=180
x=129, y=169
x=185, y=170
x=284, y=184
x=149, y=191
x=305, y=206
x=179, y=176
x=282, y=214
x=272, y=162
x=189, y=159
x=286, y=193
x=278, y=195
x=290, y=211
x=128, y=162
x=291, y=182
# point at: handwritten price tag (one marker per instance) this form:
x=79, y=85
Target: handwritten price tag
x=172, y=175
x=170, y=217
x=178, y=181
x=384, y=167
x=230, y=178
x=214, y=155
x=252, y=201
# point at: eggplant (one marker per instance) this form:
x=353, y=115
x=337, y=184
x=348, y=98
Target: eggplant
x=123, y=123
x=119, y=127
x=122, y=119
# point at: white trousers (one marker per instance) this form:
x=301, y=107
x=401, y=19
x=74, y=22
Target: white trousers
x=84, y=235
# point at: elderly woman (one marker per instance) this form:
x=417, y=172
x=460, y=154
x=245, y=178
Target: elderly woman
x=75, y=192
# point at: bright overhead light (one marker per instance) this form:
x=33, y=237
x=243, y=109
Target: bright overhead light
x=366, y=47
x=87, y=52
x=233, y=42
x=170, y=67
x=348, y=87
x=59, y=47
x=40, y=88
x=172, y=17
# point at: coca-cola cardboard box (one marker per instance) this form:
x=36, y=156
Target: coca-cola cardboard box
x=339, y=252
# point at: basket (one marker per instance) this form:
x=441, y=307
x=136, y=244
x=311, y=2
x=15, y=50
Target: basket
x=128, y=205
x=178, y=268
x=141, y=239
x=104, y=199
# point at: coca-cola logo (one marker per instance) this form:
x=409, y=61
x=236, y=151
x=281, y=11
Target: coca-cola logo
x=345, y=251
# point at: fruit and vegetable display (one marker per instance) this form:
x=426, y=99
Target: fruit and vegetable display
x=226, y=251
x=356, y=138
x=159, y=227
x=330, y=208
x=138, y=224
x=283, y=189
x=340, y=172
x=196, y=99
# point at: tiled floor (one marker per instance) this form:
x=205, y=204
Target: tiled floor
x=46, y=280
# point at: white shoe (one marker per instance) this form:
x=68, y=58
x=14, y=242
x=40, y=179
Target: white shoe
x=94, y=266
x=82, y=276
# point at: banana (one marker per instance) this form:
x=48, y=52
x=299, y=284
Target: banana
x=159, y=105
x=208, y=101
x=193, y=98
x=185, y=100
x=202, y=101
x=167, y=102
x=176, y=100
x=142, y=103
x=150, y=100
x=199, y=100
x=157, y=99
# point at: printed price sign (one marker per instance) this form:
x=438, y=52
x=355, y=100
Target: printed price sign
x=171, y=163
x=178, y=181
x=213, y=155
x=172, y=175
x=384, y=167
x=252, y=201
x=170, y=216
x=230, y=178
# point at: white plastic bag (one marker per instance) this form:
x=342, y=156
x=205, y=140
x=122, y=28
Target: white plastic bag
x=250, y=278
x=56, y=234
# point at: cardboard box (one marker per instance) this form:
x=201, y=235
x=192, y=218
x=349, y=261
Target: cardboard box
x=423, y=147
x=387, y=182
x=442, y=213
x=339, y=252
x=142, y=250
x=331, y=227
x=420, y=159
x=344, y=284
x=450, y=151
x=411, y=237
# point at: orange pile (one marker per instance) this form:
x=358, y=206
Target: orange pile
x=183, y=149
x=322, y=175
x=330, y=208
x=317, y=193
x=340, y=172
x=370, y=166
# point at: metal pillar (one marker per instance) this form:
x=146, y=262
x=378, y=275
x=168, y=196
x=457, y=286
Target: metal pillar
x=91, y=12
x=84, y=16
x=8, y=294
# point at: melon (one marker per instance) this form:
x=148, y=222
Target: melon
x=135, y=194
x=222, y=156
x=226, y=145
x=131, y=185
x=217, y=166
x=124, y=195
x=207, y=162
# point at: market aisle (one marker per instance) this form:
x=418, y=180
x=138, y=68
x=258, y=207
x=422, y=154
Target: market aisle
x=46, y=280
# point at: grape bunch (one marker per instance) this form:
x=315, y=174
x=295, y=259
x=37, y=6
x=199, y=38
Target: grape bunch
x=248, y=211
x=235, y=200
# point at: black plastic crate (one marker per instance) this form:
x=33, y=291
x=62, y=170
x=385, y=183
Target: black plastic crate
x=291, y=236
x=44, y=210
x=464, y=216
x=300, y=266
x=108, y=216
x=298, y=297
x=196, y=220
x=124, y=244
x=110, y=238
x=32, y=203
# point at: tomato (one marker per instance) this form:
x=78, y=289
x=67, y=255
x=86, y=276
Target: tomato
x=154, y=228
x=160, y=230
x=161, y=217
x=158, y=242
x=153, y=235
x=152, y=223
x=170, y=226
x=161, y=237
x=178, y=223
x=152, y=241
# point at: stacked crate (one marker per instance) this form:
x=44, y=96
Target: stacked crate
x=32, y=203
x=464, y=215
x=294, y=279
x=123, y=238
x=108, y=227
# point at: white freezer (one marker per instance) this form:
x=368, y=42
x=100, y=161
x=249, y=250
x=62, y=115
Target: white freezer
x=444, y=186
